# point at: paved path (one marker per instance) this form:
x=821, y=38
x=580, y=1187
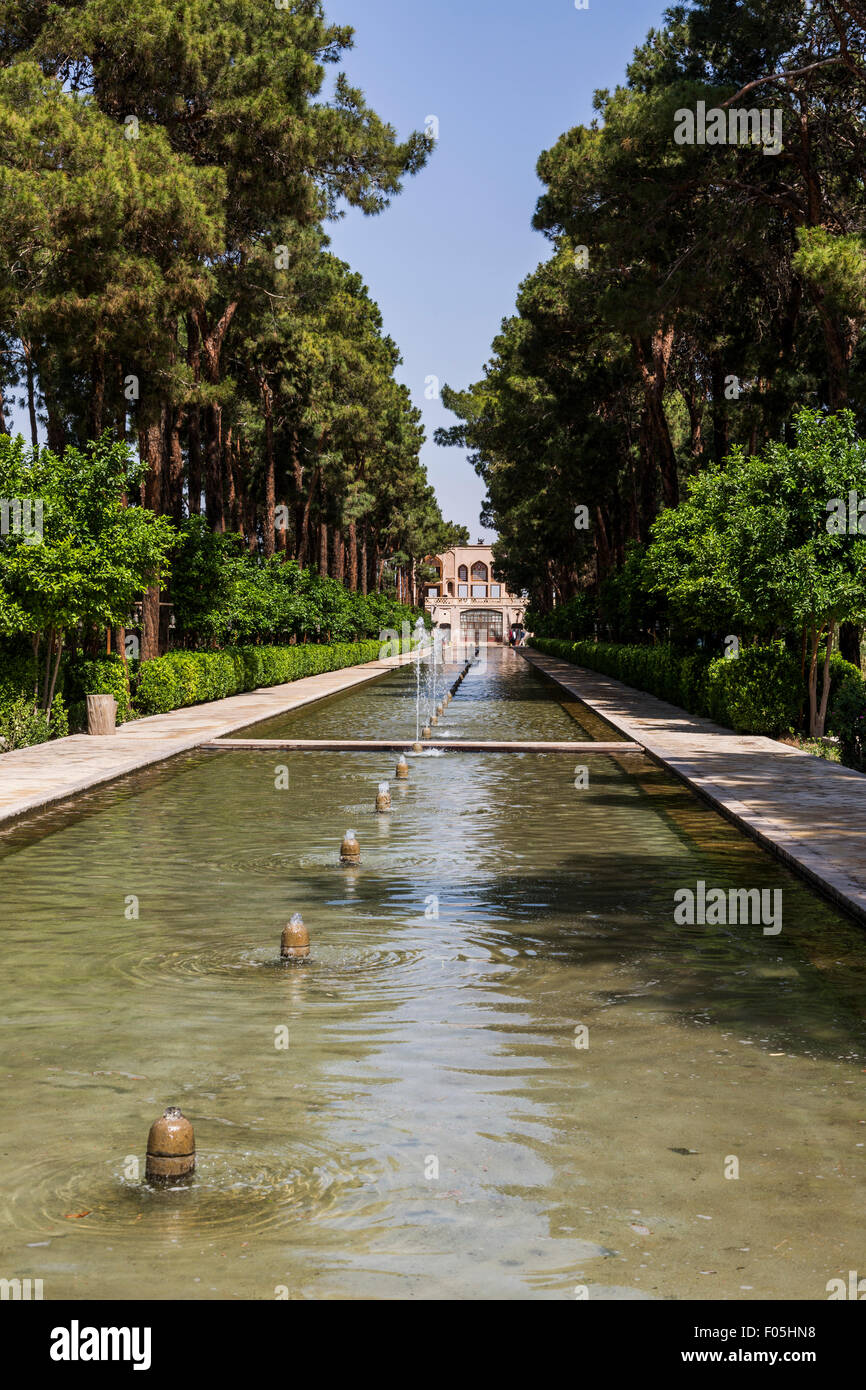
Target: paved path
x=31, y=778
x=810, y=812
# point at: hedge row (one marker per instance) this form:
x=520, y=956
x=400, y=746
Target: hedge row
x=156, y=687
x=758, y=692
x=191, y=678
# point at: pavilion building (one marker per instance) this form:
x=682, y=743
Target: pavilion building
x=465, y=599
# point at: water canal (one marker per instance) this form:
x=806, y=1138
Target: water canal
x=505, y=1072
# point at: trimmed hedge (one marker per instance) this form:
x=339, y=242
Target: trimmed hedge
x=156, y=687
x=759, y=692
x=191, y=678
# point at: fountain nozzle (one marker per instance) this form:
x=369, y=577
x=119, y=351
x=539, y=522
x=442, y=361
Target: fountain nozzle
x=383, y=797
x=350, y=850
x=295, y=941
x=402, y=771
x=170, y=1148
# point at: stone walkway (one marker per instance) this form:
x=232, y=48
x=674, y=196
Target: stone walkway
x=810, y=812
x=31, y=778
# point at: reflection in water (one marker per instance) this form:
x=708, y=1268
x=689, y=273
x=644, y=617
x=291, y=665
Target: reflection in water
x=498, y=911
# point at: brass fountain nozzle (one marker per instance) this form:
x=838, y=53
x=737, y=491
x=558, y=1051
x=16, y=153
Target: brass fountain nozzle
x=350, y=850
x=170, y=1148
x=295, y=941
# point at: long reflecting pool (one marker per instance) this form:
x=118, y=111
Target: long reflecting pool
x=502, y=698
x=505, y=1072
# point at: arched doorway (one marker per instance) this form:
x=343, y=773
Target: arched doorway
x=487, y=623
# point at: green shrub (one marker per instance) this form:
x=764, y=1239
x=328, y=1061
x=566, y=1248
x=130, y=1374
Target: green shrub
x=22, y=725
x=848, y=717
x=17, y=680
x=190, y=678
x=758, y=692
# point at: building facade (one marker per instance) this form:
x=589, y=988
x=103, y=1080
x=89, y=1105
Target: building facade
x=465, y=599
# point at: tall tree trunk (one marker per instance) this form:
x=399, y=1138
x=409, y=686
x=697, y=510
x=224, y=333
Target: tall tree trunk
x=365, y=573
x=353, y=557
x=840, y=340
x=97, y=393
x=31, y=395
x=55, y=429
x=213, y=478
x=193, y=419
x=151, y=450
x=653, y=359
x=211, y=339
x=269, y=520
x=825, y=687
x=339, y=556
x=304, y=547
x=323, y=547
x=249, y=508
x=53, y=686
x=174, y=477
x=233, y=511
x=377, y=567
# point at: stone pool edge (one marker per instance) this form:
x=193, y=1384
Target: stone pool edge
x=32, y=779
x=834, y=862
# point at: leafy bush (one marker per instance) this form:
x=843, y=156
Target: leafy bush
x=848, y=717
x=22, y=725
x=224, y=596
x=18, y=678
x=758, y=692
x=575, y=618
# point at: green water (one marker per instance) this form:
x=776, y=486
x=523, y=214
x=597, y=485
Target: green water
x=499, y=700
x=497, y=910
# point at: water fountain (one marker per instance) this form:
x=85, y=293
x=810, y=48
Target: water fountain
x=295, y=941
x=170, y=1148
x=418, y=641
x=350, y=850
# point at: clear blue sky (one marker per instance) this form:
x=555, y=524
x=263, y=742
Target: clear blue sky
x=505, y=78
